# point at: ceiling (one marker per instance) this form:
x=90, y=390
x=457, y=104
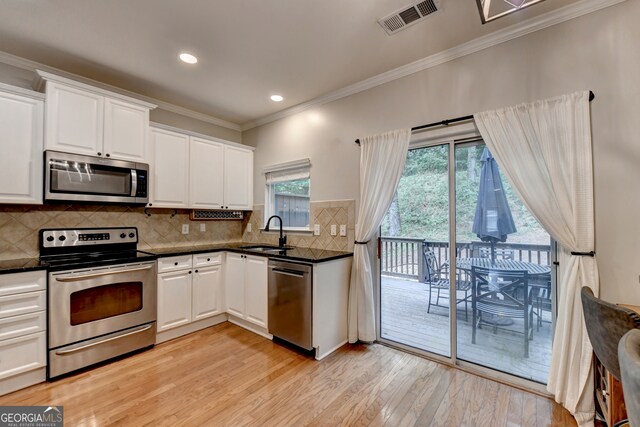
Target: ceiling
x=247, y=49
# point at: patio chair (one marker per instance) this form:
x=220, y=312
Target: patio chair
x=437, y=277
x=485, y=252
x=498, y=294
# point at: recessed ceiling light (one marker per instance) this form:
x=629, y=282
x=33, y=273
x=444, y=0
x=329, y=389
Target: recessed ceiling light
x=276, y=98
x=188, y=58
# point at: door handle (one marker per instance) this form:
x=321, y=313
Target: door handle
x=288, y=272
x=93, y=344
x=134, y=182
x=102, y=273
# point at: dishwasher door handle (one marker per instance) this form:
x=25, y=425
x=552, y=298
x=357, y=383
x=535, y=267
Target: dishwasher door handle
x=286, y=272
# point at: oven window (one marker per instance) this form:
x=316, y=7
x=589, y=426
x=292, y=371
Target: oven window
x=106, y=301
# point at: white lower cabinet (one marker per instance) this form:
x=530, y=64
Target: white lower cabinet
x=246, y=288
x=206, y=287
x=174, y=299
x=189, y=289
x=23, y=335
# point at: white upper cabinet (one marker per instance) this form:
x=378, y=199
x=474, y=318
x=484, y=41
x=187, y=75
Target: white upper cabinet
x=169, y=169
x=206, y=163
x=238, y=178
x=74, y=120
x=125, y=130
x=83, y=119
x=219, y=174
x=21, y=129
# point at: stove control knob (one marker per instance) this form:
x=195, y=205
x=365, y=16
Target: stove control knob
x=122, y=235
x=132, y=235
x=62, y=238
x=50, y=239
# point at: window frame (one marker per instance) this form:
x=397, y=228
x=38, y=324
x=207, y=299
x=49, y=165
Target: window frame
x=285, y=172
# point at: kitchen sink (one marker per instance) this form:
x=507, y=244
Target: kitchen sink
x=266, y=248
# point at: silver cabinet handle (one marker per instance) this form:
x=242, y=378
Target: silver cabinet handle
x=102, y=273
x=93, y=344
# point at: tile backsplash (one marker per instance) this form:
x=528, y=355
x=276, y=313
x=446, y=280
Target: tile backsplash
x=20, y=224
x=324, y=213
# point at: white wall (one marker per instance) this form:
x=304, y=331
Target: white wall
x=598, y=51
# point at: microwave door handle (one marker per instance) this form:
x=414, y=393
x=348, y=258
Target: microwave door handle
x=134, y=182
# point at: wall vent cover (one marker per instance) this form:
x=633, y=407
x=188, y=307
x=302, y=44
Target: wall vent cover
x=199, y=215
x=408, y=15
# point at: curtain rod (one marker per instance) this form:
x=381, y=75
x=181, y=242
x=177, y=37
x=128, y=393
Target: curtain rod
x=459, y=119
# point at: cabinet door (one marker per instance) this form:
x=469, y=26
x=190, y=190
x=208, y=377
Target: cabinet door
x=74, y=120
x=207, y=292
x=125, y=130
x=21, y=121
x=256, y=290
x=234, y=284
x=174, y=299
x=22, y=354
x=205, y=187
x=170, y=169
x=238, y=178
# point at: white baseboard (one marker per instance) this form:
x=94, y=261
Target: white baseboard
x=189, y=328
x=23, y=380
x=250, y=326
x=321, y=355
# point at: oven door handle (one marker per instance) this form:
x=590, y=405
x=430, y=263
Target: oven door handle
x=93, y=344
x=102, y=273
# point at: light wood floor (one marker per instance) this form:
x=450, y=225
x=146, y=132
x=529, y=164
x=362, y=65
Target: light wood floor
x=227, y=376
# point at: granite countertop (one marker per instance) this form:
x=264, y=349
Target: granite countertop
x=296, y=254
x=21, y=265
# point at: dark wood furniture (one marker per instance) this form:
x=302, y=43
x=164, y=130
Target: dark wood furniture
x=608, y=390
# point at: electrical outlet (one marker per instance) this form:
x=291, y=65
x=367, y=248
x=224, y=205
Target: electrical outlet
x=185, y=228
x=249, y=228
x=316, y=230
x=343, y=229
x=333, y=229
x=203, y=227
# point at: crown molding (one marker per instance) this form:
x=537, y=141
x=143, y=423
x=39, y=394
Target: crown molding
x=26, y=64
x=515, y=31
x=21, y=91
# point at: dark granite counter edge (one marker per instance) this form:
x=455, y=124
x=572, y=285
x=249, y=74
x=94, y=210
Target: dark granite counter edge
x=15, y=266
x=160, y=253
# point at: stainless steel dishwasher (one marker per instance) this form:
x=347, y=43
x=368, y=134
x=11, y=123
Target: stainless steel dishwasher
x=290, y=300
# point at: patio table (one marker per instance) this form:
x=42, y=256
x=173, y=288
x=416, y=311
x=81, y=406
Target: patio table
x=503, y=264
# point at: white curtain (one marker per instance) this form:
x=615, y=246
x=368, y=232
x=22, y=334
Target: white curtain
x=382, y=159
x=544, y=149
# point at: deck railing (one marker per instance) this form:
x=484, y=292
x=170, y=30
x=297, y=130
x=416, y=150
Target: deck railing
x=402, y=256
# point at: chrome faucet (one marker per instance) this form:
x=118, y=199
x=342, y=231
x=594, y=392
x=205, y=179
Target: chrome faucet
x=282, y=241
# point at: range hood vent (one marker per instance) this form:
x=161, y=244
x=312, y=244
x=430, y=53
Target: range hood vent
x=408, y=15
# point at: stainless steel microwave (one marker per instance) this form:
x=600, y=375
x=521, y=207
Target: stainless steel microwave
x=72, y=177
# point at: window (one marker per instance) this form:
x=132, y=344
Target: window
x=287, y=193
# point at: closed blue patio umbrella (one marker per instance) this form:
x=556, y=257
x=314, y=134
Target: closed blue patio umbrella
x=492, y=221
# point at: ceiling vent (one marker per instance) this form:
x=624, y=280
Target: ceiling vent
x=407, y=16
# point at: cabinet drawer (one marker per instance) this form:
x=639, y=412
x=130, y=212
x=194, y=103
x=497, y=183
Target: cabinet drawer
x=22, y=354
x=17, y=326
x=18, y=283
x=15, y=305
x=174, y=263
x=201, y=260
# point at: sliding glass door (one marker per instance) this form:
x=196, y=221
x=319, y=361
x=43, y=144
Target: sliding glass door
x=487, y=299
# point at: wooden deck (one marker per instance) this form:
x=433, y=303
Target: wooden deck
x=405, y=320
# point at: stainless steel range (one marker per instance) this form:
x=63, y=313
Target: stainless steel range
x=101, y=296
